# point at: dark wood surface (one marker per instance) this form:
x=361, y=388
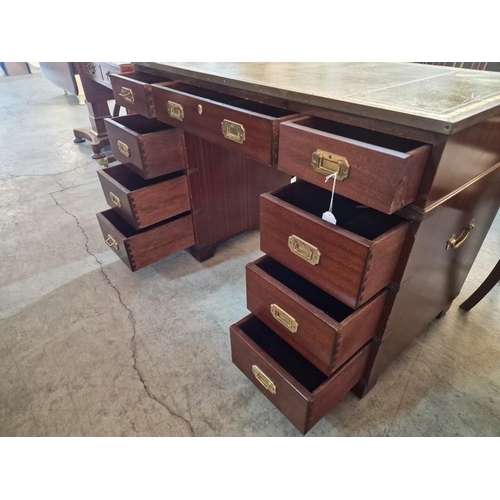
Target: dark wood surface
x=303, y=407
x=225, y=189
x=343, y=269
x=381, y=177
x=139, y=249
x=328, y=332
x=434, y=275
x=261, y=130
x=154, y=148
x=143, y=203
x=137, y=88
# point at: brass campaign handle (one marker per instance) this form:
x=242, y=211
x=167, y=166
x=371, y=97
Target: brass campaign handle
x=175, y=110
x=455, y=242
x=264, y=379
x=111, y=242
x=115, y=199
x=127, y=94
x=304, y=250
x=327, y=163
x=281, y=316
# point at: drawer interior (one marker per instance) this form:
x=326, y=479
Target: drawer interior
x=140, y=124
x=342, y=130
x=132, y=181
x=311, y=293
x=352, y=216
x=127, y=230
x=289, y=359
x=237, y=102
x=143, y=77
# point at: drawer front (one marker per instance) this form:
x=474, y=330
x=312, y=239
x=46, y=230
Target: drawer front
x=251, y=134
x=308, y=328
x=302, y=406
x=349, y=267
x=93, y=71
x=151, y=154
x=139, y=249
x=145, y=205
x=107, y=71
x=133, y=91
x=378, y=177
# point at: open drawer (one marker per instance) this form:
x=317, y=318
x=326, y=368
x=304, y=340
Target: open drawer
x=142, y=202
x=352, y=260
x=148, y=147
x=376, y=169
x=321, y=328
x=243, y=126
x=133, y=91
x=297, y=388
x=141, y=248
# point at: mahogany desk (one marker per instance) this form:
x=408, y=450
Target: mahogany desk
x=416, y=152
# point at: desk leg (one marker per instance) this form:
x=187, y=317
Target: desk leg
x=96, y=135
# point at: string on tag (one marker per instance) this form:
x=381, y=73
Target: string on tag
x=328, y=216
x=333, y=188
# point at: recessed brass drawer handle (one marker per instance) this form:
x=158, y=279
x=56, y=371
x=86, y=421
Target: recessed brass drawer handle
x=124, y=149
x=327, y=163
x=115, y=199
x=175, y=110
x=304, y=250
x=111, y=242
x=233, y=131
x=455, y=242
x=127, y=94
x=264, y=379
x=284, y=318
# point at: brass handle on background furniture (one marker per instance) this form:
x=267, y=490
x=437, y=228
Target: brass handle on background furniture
x=284, y=318
x=91, y=68
x=111, y=242
x=124, y=149
x=455, y=242
x=326, y=163
x=233, y=131
x=115, y=199
x=127, y=94
x=264, y=379
x=175, y=110
x=304, y=250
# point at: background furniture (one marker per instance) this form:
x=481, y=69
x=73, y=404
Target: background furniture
x=487, y=285
x=96, y=85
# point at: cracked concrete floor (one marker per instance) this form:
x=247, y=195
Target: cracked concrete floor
x=89, y=349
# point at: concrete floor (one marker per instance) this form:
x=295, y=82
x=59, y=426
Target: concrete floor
x=89, y=349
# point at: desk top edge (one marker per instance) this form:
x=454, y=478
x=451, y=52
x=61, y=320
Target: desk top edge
x=433, y=98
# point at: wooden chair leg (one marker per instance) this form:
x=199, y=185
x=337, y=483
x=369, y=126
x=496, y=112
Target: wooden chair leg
x=488, y=284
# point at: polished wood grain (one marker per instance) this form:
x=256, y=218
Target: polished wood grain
x=139, y=84
x=143, y=203
x=225, y=189
x=303, y=394
x=154, y=148
x=139, y=249
x=260, y=122
x=328, y=332
x=343, y=270
x=434, y=276
x=385, y=171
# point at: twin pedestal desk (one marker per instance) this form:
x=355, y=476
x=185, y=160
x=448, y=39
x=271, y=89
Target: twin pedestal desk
x=209, y=153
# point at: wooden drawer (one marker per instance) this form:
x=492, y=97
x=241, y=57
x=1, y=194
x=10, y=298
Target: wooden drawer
x=92, y=70
x=133, y=91
x=352, y=260
x=384, y=171
x=297, y=388
x=324, y=330
x=143, y=202
x=144, y=247
x=243, y=126
x=148, y=147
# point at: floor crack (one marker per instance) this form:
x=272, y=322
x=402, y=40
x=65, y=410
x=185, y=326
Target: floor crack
x=130, y=314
